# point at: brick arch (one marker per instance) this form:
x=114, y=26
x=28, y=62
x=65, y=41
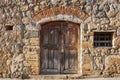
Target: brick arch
x=69, y=13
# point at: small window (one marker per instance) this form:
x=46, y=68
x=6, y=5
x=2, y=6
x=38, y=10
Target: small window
x=9, y=27
x=103, y=39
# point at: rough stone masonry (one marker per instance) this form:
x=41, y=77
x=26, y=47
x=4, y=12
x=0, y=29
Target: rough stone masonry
x=20, y=24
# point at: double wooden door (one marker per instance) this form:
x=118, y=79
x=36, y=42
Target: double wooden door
x=59, y=47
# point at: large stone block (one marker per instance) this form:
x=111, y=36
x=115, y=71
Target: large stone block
x=113, y=64
x=31, y=49
x=34, y=34
x=117, y=41
x=87, y=44
x=35, y=41
x=32, y=60
x=35, y=70
x=32, y=27
x=32, y=63
x=32, y=56
x=86, y=68
x=86, y=63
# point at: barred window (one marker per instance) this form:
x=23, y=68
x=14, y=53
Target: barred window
x=103, y=39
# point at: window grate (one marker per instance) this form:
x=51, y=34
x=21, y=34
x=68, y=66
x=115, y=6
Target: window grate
x=103, y=39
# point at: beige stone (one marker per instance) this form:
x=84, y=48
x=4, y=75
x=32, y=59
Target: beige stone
x=86, y=63
x=35, y=41
x=36, y=9
x=35, y=70
x=32, y=56
x=31, y=49
x=86, y=67
x=24, y=8
x=87, y=44
x=113, y=64
x=32, y=62
x=114, y=22
x=25, y=20
x=117, y=41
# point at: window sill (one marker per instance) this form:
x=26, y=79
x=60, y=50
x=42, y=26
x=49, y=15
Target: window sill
x=103, y=47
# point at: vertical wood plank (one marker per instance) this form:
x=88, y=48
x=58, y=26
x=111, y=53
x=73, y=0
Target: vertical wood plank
x=66, y=59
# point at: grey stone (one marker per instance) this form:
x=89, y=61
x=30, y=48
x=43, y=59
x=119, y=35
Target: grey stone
x=106, y=7
x=112, y=1
x=29, y=1
x=101, y=15
x=118, y=31
x=28, y=14
x=34, y=34
x=27, y=34
x=55, y=2
x=88, y=9
x=95, y=9
x=90, y=1
x=26, y=41
x=101, y=7
x=32, y=26
x=17, y=27
x=17, y=65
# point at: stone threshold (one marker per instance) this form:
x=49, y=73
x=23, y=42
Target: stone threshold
x=56, y=76
x=71, y=76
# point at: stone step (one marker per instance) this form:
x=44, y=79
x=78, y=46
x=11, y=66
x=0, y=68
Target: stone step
x=48, y=76
x=60, y=76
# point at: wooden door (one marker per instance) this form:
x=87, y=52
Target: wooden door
x=50, y=50
x=70, y=46
x=59, y=47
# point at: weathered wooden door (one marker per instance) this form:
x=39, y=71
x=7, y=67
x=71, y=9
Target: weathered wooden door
x=59, y=47
x=70, y=47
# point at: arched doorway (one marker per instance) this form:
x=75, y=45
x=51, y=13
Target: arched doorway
x=59, y=45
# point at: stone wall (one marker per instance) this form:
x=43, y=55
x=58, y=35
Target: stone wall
x=20, y=44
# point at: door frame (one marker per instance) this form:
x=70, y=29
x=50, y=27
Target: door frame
x=75, y=20
x=79, y=47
